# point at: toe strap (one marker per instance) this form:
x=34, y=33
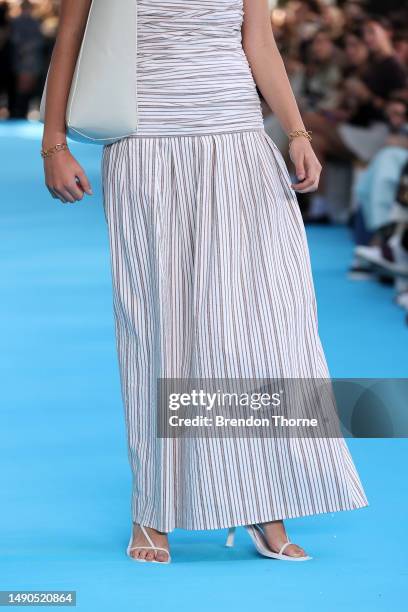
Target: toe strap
x=151, y=544
x=284, y=547
x=149, y=548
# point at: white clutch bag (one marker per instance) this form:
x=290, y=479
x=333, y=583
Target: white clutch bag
x=102, y=104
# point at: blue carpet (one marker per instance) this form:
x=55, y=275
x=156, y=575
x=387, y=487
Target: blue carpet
x=64, y=477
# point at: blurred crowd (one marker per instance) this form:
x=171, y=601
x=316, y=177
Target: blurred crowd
x=27, y=34
x=348, y=65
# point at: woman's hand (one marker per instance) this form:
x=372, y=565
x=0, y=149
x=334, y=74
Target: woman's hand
x=65, y=178
x=308, y=167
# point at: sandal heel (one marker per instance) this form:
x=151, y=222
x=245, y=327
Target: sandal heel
x=230, y=537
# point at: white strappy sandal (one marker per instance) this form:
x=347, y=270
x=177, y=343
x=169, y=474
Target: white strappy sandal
x=261, y=545
x=150, y=547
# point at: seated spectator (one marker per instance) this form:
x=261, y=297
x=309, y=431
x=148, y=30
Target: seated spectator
x=354, y=13
x=376, y=190
x=356, y=66
x=364, y=132
x=26, y=59
x=305, y=19
x=321, y=77
x=401, y=46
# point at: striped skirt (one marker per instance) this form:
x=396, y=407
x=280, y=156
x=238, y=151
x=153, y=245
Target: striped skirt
x=211, y=278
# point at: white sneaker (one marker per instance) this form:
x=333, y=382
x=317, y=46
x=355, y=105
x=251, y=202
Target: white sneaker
x=401, y=299
x=391, y=257
x=360, y=269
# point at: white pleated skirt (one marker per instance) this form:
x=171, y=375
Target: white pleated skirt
x=211, y=278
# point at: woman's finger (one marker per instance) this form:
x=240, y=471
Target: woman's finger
x=300, y=169
x=311, y=186
x=315, y=186
x=75, y=191
x=84, y=182
x=312, y=175
x=61, y=197
x=68, y=197
x=304, y=185
x=52, y=192
x=56, y=193
x=64, y=195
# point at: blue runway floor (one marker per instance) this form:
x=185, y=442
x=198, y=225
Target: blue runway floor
x=64, y=477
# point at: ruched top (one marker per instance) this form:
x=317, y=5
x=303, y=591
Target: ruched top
x=193, y=74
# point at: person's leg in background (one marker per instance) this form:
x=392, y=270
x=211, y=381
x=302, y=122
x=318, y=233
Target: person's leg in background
x=377, y=187
x=23, y=89
x=378, y=235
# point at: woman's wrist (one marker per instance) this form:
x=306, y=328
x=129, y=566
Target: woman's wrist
x=50, y=151
x=50, y=139
x=299, y=133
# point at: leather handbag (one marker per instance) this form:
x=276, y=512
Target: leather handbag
x=102, y=103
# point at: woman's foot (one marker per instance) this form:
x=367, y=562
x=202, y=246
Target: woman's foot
x=158, y=538
x=275, y=535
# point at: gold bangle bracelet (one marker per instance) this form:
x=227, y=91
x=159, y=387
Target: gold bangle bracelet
x=62, y=146
x=300, y=134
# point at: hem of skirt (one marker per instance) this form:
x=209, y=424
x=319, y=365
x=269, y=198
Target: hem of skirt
x=266, y=518
x=197, y=134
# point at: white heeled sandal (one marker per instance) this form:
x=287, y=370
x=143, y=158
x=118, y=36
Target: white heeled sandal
x=150, y=547
x=261, y=545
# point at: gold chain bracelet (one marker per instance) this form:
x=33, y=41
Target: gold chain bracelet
x=58, y=147
x=299, y=134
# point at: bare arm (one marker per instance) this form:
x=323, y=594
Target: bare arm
x=271, y=78
x=64, y=177
x=71, y=27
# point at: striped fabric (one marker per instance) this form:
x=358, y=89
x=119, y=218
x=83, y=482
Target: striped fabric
x=211, y=278
x=193, y=75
